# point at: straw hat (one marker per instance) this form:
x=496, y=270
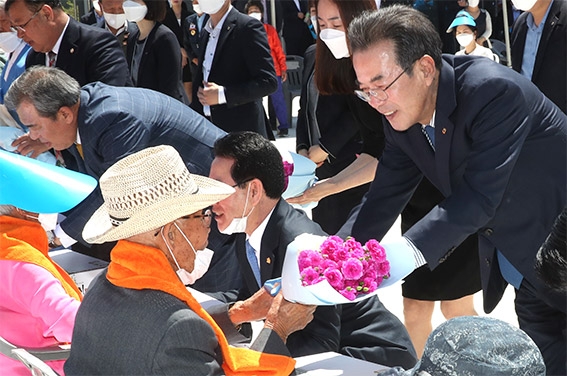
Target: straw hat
x=147, y=190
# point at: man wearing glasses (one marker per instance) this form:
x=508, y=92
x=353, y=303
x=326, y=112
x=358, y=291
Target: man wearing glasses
x=488, y=139
x=98, y=125
x=86, y=53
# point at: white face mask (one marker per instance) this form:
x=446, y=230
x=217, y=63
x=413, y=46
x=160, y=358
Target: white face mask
x=336, y=42
x=200, y=263
x=524, y=5
x=135, y=12
x=115, y=21
x=9, y=41
x=465, y=39
x=197, y=9
x=211, y=6
x=473, y=3
x=238, y=225
x=256, y=15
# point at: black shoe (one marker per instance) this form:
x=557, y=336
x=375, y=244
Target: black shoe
x=282, y=132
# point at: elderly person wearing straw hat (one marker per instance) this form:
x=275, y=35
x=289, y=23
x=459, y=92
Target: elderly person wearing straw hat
x=38, y=299
x=138, y=317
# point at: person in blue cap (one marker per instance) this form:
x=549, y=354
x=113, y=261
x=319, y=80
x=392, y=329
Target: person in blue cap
x=38, y=299
x=466, y=33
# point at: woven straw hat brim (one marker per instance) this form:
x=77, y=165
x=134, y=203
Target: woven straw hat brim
x=99, y=228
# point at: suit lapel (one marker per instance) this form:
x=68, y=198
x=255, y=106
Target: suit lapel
x=444, y=127
x=227, y=28
x=550, y=24
x=69, y=45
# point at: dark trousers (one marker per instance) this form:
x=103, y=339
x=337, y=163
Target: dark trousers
x=546, y=325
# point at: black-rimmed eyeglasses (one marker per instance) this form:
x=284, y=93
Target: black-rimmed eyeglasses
x=378, y=94
x=21, y=28
x=206, y=216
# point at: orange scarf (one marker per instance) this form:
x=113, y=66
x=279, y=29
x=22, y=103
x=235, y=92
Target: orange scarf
x=136, y=266
x=22, y=240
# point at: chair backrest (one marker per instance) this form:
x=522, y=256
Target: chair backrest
x=294, y=73
x=34, y=358
x=499, y=49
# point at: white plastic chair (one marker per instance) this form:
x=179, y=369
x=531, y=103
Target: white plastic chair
x=34, y=359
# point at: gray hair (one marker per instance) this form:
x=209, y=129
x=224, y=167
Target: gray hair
x=48, y=89
x=7, y=210
x=412, y=34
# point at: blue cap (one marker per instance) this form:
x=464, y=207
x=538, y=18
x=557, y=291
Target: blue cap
x=462, y=18
x=40, y=187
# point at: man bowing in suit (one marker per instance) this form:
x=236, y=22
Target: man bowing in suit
x=488, y=139
x=235, y=69
x=253, y=166
x=101, y=124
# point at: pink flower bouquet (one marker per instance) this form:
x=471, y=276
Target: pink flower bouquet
x=327, y=270
x=350, y=268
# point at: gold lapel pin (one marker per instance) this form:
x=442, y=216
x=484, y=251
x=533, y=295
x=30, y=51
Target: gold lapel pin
x=444, y=130
x=72, y=50
x=268, y=260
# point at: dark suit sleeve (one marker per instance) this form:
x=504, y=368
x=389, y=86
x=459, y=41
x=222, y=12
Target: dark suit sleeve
x=106, y=61
x=260, y=67
x=168, y=58
x=322, y=334
x=302, y=132
x=342, y=129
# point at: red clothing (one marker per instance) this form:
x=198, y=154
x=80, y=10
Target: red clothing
x=276, y=49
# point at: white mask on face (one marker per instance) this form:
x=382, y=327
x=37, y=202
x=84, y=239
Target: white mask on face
x=9, y=41
x=524, y=5
x=238, y=225
x=115, y=21
x=211, y=6
x=197, y=9
x=200, y=263
x=256, y=15
x=336, y=42
x=473, y=3
x=135, y=12
x=465, y=39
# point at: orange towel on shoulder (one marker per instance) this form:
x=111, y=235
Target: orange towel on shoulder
x=136, y=266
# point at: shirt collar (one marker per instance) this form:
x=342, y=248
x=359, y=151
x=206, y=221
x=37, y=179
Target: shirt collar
x=255, y=238
x=216, y=30
x=57, y=45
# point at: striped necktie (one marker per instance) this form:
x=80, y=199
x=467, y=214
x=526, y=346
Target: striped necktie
x=52, y=58
x=429, y=133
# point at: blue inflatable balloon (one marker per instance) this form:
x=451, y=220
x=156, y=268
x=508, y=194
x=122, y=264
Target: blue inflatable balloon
x=40, y=187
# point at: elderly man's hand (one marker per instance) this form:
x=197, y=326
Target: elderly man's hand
x=285, y=317
x=254, y=308
x=25, y=145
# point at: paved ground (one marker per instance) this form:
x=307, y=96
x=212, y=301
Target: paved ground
x=391, y=296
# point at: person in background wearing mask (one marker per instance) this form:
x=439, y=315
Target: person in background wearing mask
x=255, y=9
x=465, y=30
x=153, y=53
x=265, y=225
x=138, y=317
x=115, y=21
x=16, y=49
x=38, y=299
x=235, y=70
x=94, y=16
x=481, y=18
x=192, y=30
x=539, y=46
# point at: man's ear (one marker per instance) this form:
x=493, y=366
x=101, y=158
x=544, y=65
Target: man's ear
x=256, y=191
x=66, y=114
x=426, y=66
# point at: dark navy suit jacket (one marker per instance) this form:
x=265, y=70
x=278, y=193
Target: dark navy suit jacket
x=88, y=54
x=365, y=330
x=116, y=122
x=244, y=66
x=550, y=70
x=500, y=161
